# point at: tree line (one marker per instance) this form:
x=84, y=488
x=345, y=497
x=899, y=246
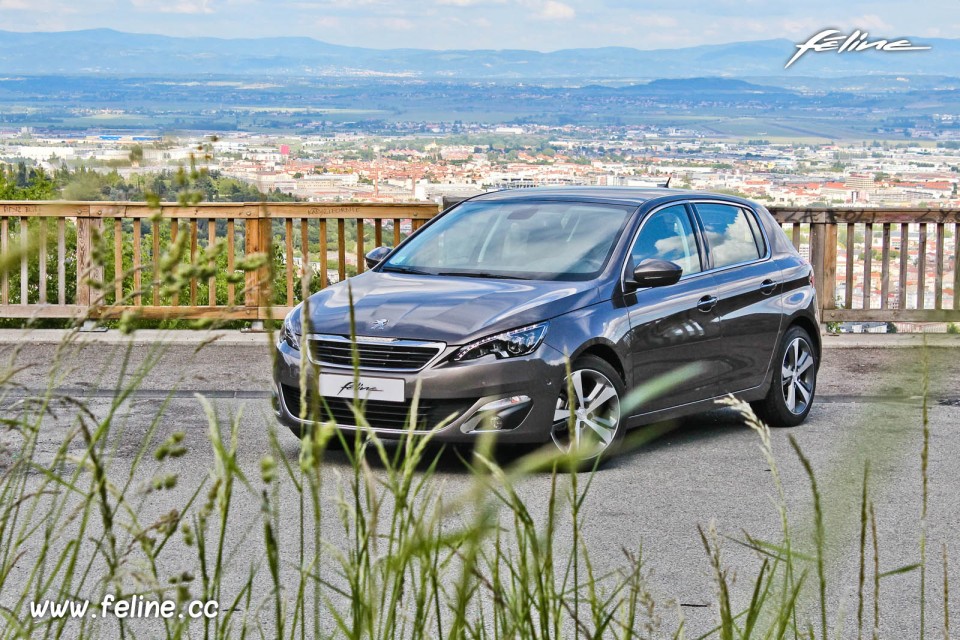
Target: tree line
x=21, y=182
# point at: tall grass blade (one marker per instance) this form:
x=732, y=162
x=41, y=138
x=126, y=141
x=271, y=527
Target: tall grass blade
x=862, y=549
x=924, y=461
x=819, y=537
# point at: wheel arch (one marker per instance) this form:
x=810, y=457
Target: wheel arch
x=812, y=329
x=605, y=352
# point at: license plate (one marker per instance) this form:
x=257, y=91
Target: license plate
x=364, y=388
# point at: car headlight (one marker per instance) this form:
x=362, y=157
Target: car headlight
x=508, y=344
x=289, y=333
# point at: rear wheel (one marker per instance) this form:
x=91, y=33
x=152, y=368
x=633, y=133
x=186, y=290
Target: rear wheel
x=587, y=420
x=794, y=381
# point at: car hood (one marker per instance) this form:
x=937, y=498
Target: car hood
x=454, y=310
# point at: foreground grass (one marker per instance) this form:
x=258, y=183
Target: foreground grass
x=411, y=558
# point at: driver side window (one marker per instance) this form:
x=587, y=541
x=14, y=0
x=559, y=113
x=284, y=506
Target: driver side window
x=668, y=235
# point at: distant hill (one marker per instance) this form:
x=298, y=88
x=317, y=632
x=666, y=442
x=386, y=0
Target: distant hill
x=108, y=52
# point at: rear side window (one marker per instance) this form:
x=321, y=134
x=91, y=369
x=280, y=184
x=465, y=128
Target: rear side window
x=732, y=237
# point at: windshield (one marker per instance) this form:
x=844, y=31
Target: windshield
x=529, y=240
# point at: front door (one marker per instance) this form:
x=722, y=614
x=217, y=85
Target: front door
x=674, y=326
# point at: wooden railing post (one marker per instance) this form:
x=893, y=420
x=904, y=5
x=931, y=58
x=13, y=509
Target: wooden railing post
x=251, y=233
x=265, y=274
x=823, y=258
x=88, y=272
x=96, y=268
x=259, y=240
x=956, y=266
x=84, y=259
x=829, y=266
x=816, y=258
x=4, y=275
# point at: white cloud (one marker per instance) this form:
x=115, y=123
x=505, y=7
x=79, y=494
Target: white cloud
x=394, y=24
x=554, y=10
x=193, y=7
x=656, y=20
x=758, y=27
x=40, y=6
x=339, y=4
x=454, y=22
x=801, y=26
x=872, y=22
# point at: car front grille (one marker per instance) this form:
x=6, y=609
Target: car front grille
x=384, y=354
x=380, y=414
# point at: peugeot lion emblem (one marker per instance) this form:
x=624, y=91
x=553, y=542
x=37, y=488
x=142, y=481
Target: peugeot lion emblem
x=379, y=325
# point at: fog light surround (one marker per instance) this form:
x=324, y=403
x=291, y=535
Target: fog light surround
x=275, y=402
x=502, y=414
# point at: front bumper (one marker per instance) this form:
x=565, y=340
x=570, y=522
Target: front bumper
x=452, y=393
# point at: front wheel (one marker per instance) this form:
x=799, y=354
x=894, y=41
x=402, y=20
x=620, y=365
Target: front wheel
x=794, y=381
x=587, y=420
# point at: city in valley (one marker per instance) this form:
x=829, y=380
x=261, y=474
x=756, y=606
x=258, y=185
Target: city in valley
x=441, y=160
x=470, y=159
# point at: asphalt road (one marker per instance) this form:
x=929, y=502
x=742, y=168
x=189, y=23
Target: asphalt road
x=707, y=469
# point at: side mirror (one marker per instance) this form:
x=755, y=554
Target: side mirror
x=656, y=273
x=376, y=256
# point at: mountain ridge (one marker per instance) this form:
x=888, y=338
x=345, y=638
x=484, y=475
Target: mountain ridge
x=111, y=52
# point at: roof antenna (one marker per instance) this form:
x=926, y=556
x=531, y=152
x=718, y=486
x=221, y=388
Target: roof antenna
x=666, y=185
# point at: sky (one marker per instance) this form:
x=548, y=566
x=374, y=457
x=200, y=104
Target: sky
x=544, y=25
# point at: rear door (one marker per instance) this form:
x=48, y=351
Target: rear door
x=749, y=285
x=677, y=325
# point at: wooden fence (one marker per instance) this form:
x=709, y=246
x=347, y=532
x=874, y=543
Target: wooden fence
x=89, y=260
x=880, y=265
x=115, y=257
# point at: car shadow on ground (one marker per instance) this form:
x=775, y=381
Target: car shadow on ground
x=444, y=458
x=458, y=459
x=690, y=430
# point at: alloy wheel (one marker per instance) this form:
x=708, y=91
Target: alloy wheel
x=798, y=376
x=594, y=406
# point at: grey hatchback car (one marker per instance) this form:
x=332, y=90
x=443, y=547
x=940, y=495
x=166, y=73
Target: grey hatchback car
x=534, y=312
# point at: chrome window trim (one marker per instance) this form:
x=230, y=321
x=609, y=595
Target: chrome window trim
x=749, y=211
x=397, y=342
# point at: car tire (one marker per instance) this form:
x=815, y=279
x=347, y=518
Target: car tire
x=598, y=418
x=794, y=383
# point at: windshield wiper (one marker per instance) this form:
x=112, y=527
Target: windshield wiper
x=474, y=274
x=396, y=269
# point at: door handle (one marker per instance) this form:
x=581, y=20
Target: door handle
x=767, y=287
x=707, y=303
